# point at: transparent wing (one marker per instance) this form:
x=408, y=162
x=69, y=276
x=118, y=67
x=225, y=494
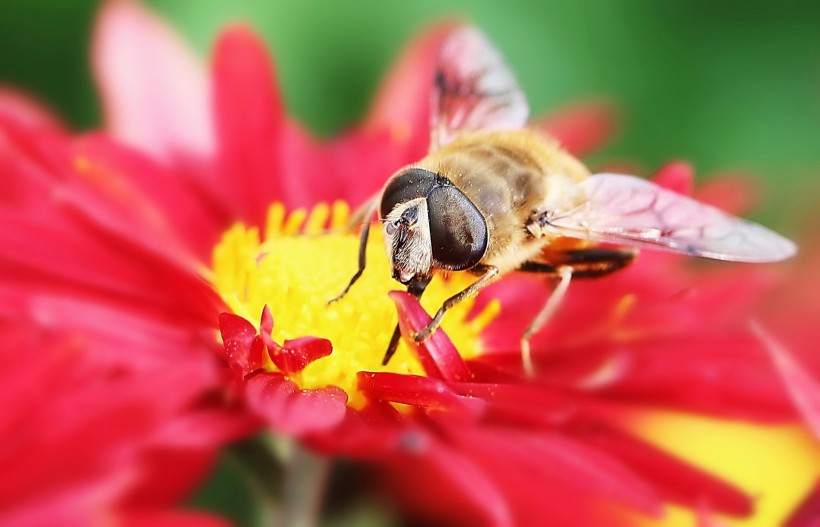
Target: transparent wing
x=627, y=210
x=474, y=89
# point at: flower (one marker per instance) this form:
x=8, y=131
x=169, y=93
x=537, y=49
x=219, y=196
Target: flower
x=452, y=425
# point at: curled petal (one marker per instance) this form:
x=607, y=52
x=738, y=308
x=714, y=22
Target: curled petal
x=292, y=411
x=244, y=349
x=295, y=354
x=437, y=355
x=266, y=322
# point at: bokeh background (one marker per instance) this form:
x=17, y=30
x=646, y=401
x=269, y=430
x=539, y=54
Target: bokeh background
x=730, y=86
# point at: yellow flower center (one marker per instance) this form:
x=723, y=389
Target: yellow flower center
x=300, y=264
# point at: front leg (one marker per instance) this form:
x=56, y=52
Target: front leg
x=489, y=273
x=368, y=215
x=415, y=288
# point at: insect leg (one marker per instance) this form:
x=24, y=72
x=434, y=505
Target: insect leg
x=565, y=275
x=368, y=215
x=578, y=263
x=364, y=212
x=415, y=288
x=490, y=273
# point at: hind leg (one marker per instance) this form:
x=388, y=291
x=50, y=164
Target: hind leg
x=580, y=263
x=564, y=273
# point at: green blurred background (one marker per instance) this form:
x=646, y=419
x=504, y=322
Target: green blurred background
x=728, y=85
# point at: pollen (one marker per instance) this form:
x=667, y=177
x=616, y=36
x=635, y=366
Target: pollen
x=302, y=260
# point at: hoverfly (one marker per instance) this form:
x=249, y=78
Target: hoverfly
x=493, y=196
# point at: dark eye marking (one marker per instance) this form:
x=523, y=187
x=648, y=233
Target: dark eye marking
x=411, y=184
x=458, y=231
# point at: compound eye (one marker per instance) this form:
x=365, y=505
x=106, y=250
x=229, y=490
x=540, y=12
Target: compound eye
x=410, y=184
x=458, y=231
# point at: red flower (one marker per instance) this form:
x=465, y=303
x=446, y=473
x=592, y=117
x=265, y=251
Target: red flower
x=457, y=430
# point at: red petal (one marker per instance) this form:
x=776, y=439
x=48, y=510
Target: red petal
x=582, y=127
x=266, y=321
x=475, y=485
x=155, y=91
x=186, y=197
x=242, y=346
x=203, y=428
x=736, y=193
x=27, y=111
x=250, y=121
x=807, y=513
x=673, y=478
x=371, y=432
x=417, y=390
x=720, y=373
x=803, y=388
x=289, y=410
x=69, y=217
x=402, y=105
x=437, y=355
x=295, y=354
x=519, y=404
x=677, y=176
x=168, y=475
x=563, y=461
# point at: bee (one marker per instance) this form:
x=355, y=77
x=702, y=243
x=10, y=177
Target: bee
x=493, y=197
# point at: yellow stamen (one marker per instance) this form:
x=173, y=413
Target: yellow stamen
x=299, y=266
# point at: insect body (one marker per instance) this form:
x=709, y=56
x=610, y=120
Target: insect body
x=480, y=193
x=493, y=196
